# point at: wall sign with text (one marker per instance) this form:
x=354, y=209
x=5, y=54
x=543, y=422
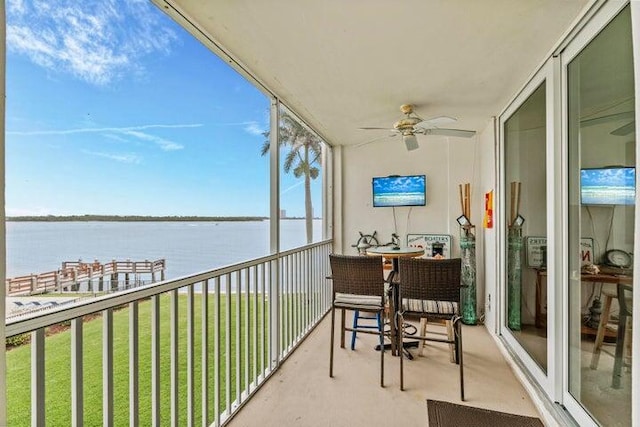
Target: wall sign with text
x=537, y=251
x=432, y=244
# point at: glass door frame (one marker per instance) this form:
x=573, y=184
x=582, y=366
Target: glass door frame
x=544, y=75
x=582, y=38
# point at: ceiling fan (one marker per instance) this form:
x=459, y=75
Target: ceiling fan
x=620, y=131
x=625, y=130
x=412, y=125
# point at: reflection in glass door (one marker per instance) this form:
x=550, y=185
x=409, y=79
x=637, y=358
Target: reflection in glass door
x=526, y=224
x=601, y=192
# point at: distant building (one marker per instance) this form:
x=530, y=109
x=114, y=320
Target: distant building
x=283, y=213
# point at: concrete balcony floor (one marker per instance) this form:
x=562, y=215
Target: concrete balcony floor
x=301, y=392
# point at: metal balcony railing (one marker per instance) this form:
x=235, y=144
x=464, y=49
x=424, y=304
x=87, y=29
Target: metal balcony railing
x=180, y=352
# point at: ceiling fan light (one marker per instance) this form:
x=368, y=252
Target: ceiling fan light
x=410, y=141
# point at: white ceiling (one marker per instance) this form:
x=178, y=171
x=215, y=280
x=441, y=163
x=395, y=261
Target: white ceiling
x=345, y=64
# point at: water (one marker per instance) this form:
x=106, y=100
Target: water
x=187, y=247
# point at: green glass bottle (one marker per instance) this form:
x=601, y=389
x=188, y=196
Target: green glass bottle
x=514, y=279
x=468, y=256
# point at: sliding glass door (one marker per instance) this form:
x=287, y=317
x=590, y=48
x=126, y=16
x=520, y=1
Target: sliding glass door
x=526, y=129
x=601, y=209
x=567, y=215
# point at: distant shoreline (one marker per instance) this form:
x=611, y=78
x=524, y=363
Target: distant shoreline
x=130, y=218
x=137, y=218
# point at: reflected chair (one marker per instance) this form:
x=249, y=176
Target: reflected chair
x=430, y=289
x=624, y=295
x=358, y=284
x=625, y=300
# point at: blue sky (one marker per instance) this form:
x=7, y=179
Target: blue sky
x=412, y=183
x=613, y=177
x=112, y=108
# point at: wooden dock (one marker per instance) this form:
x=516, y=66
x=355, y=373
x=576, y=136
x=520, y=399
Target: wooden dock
x=78, y=276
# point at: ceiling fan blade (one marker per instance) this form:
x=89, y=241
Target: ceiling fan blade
x=434, y=121
x=625, y=130
x=450, y=132
x=375, y=140
x=608, y=118
x=374, y=128
x=411, y=142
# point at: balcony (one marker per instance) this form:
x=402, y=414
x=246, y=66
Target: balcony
x=169, y=353
x=302, y=393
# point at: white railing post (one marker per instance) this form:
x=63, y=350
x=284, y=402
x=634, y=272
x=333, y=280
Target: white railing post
x=274, y=314
x=107, y=367
x=247, y=331
x=190, y=356
x=216, y=352
x=37, y=378
x=204, y=355
x=175, y=362
x=134, y=390
x=238, y=340
x=264, y=334
x=77, y=374
x=254, y=328
x=155, y=360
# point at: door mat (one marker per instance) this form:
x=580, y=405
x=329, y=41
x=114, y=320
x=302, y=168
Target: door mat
x=447, y=414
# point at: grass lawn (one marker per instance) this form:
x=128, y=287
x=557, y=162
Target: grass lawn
x=58, y=370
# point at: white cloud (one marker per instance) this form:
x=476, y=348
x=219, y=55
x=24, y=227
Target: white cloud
x=123, y=129
x=123, y=158
x=291, y=187
x=17, y=6
x=117, y=132
x=164, y=144
x=254, y=128
x=95, y=41
x=115, y=137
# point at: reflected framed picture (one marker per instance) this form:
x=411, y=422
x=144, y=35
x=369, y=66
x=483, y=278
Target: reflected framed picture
x=463, y=221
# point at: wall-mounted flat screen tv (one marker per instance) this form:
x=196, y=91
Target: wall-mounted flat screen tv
x=608, y=186
x=397, y=190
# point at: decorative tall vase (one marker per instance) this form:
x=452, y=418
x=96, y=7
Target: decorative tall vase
x=514, y=279
x=468, y=256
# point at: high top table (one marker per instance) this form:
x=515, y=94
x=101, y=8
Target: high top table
x=395, y=253
x=541, y=275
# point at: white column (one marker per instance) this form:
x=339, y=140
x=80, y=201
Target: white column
x=274, y=214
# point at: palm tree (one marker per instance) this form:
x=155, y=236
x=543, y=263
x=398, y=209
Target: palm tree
x=305, y=149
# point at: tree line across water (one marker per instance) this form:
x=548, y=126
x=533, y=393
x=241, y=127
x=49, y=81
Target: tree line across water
x=130, y=218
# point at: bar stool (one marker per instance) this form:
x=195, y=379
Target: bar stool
x=378, y=325
x=624, y=296
x=358, y=285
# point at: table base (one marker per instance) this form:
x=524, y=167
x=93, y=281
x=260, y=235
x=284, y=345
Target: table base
x=405, y=346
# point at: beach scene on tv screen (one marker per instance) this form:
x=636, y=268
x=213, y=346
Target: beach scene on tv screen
x=608, y=186
x=399, y=191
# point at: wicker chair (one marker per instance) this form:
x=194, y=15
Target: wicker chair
x=431, y=289
x=358, y=284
